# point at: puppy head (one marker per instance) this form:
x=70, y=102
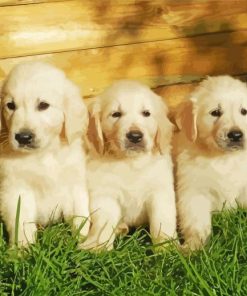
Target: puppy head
x=128, y=118
x=216, y=114
x=37, y=101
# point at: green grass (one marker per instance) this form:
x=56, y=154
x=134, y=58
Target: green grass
x=54, y=266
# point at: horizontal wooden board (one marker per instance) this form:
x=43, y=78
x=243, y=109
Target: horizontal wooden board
x=73, y=25
x=155, y=63
x=173, y=95
x=22, y=2
x=177, y=93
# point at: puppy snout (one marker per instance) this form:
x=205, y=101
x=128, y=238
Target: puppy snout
x=24, y=138
x=134, y=136
x=235, y=135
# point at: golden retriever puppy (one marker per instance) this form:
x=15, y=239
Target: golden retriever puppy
x=130, y=176
x=211, y=155
x=42, y=160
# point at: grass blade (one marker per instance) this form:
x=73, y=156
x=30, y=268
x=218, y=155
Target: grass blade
x=17, y=217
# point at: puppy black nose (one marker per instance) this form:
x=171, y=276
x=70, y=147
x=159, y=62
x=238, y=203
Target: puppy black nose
x=235, y=135
x=24, y=138
x=134, y=136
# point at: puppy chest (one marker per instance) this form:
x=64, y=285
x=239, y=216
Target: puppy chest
x=229, y=174
x=129, y=184
x=222, y=179
x=130, y=188
x=49, y=181
x=133, y=207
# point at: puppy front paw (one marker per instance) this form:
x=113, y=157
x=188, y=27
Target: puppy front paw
x=164, y=244
x=196, y=239
x=94, y=246
x=82, y=224
x=26, y=236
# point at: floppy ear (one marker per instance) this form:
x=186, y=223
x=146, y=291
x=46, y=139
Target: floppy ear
x=95, y=135
x=165, y=127
x=75, y=113
x=185, y=118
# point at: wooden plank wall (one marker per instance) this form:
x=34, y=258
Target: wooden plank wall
x=168, y=44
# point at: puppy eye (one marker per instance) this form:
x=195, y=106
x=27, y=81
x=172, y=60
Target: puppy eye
x=243, y=111
x=146, y=113
x=11, y=106
x=216, y=113
x=116, y=114
x=43, y=106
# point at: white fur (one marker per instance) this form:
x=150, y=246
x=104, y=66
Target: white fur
x=210, y=174
x=128, y=185
x=50, y=177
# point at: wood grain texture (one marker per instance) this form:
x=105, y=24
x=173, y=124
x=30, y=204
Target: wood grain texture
x=156, y=63
x=73, y=25
x=22, y=2
x=177, y=93
x=174, y=95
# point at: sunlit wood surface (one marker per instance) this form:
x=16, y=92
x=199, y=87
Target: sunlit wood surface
x=168, y=44
x=22, y=2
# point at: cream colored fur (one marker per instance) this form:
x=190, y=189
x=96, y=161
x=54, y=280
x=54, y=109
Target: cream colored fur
x=49, y=177
x=210, y=171
x=129, y=185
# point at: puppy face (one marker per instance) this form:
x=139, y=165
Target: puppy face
x=130, y=118
x=217, y=114
x=37, y=100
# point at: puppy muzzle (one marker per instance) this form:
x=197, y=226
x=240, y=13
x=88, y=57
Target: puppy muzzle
x=135, y=140
x=234, y=140
x=25, y=139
